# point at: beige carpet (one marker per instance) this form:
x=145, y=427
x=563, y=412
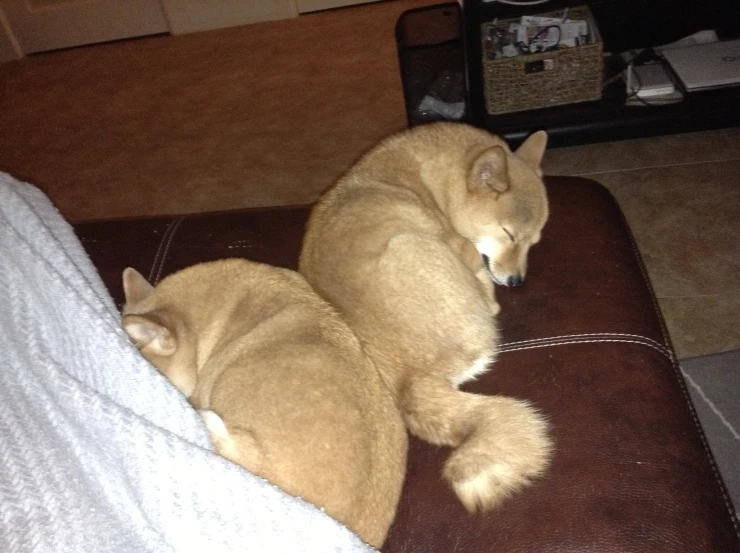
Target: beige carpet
x=271, y=114
x=248, y=116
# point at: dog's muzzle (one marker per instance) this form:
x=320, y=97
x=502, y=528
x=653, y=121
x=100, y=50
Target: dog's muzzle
x=513, y=281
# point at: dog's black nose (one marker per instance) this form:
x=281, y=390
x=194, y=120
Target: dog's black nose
x=514, y=281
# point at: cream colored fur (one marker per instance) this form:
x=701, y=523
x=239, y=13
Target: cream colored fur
x=396, y=246
x=281, y=384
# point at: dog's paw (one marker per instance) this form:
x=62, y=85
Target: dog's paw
x=509, y=448
x=224, y=441
x=235, y=444
x=216, y=427
x=489, y=290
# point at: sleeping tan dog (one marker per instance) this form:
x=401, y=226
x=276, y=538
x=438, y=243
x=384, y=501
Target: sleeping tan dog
x=280, y=381
x=396, y=246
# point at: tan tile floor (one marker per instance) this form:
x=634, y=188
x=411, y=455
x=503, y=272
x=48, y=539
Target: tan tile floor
x=681, y=197
x=271, y=114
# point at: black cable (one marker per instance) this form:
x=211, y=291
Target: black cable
x=639, y=87
x=527, y=48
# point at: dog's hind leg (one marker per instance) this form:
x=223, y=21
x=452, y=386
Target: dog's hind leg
x=501, y=443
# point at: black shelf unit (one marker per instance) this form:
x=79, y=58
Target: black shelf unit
x=624, y=25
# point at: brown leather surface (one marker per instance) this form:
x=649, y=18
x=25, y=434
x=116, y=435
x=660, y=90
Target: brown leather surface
x=583, y=342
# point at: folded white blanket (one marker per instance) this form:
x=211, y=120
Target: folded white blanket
x=98, y=452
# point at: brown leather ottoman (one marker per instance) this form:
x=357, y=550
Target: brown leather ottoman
x=583, y=340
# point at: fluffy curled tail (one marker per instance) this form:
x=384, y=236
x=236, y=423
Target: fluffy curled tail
x=501, y=444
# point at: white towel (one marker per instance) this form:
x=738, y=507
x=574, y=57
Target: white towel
x=98, y=452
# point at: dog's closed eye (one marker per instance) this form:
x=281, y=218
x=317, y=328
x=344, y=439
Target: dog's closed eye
x=511, y=236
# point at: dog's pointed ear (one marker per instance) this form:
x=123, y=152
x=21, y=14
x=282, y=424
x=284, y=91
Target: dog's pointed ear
x=533, y=149
x=490, y=169
x=135, y=287
x=146, y=331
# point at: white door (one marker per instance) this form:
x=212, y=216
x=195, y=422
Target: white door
x=305, y=6
x=40, y=25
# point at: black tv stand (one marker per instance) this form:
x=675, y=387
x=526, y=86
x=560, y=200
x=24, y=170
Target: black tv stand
x=427, y=46
x=605, y=120
x=624, y=25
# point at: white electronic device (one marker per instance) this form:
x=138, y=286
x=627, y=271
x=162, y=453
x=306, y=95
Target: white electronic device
x=705, y=66
x=649, y=80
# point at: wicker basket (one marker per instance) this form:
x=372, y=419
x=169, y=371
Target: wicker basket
x=572, y=74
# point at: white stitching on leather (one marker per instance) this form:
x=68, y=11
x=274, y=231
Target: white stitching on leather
x=589, y=335
x=662, y=351
x=155, y=262
x=163, y=249
x=177, y=224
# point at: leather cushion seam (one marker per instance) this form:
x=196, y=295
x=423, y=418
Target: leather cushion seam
x=585, y=339
x=164, y=246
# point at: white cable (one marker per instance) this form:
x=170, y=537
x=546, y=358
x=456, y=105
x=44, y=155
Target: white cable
x=630, y=89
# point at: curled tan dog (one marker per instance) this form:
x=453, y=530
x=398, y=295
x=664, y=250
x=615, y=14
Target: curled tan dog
x=407, y=246
x=281, y=384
